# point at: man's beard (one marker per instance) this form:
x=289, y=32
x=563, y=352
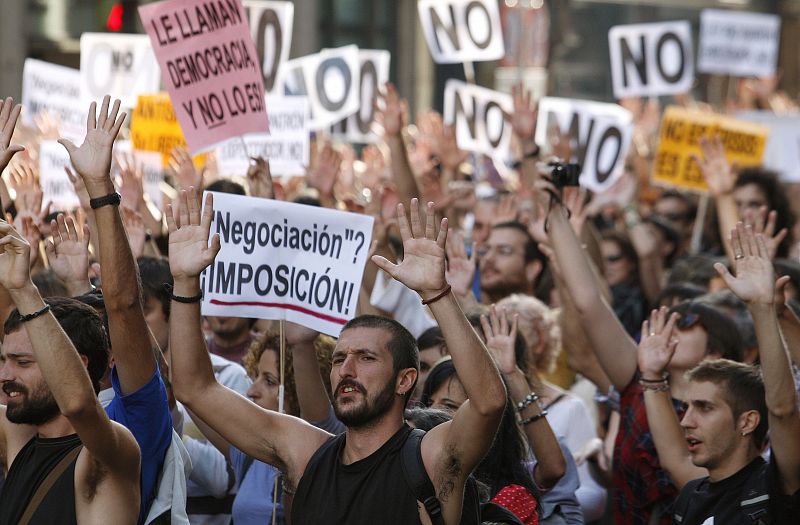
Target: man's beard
x=368, y=411
x=35, y=408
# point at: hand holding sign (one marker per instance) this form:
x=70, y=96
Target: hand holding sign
x=9, y=114
x=423, y=266
x=189, y=251
x=92, y=160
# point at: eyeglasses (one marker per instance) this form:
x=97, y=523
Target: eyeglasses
x=614, y=258
x=500, y=249
x=687, y=321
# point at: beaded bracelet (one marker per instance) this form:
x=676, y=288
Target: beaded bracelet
x=34, y=315
x=525, y=403
x=533, y=419
x=655, y=386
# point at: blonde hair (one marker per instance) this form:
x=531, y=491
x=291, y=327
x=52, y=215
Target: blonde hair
x=323, y=345
x=538, y=324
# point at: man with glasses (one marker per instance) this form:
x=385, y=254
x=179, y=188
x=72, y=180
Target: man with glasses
x=510, y=262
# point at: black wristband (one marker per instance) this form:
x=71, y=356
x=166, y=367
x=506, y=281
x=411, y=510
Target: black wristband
x=180, y=299
x=34, y=315
x=112, y=198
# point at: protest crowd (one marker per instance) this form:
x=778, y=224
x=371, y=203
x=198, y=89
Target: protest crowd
x=576, y=312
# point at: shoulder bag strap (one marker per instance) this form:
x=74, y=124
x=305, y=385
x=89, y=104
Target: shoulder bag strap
x=417, y=478
x=47, y=484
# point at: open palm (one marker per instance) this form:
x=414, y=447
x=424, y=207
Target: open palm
x=755, y=276
x=189, y=252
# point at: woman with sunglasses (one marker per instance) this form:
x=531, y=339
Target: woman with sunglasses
x=621, y=271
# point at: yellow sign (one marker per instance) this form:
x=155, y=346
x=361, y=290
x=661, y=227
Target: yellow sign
x=679, y=138
x=154, y=127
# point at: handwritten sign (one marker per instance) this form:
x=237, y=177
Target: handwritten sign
x=738, y=43
x=281, y=260
x=462, y=30
x=56, y=186
x=651, y=59
x=271, y=28
x=210, y=68
x=154, y=126
x=600, y=135
x=477, y=114
x=679, y=138
x=122, y=66
x=50, y=89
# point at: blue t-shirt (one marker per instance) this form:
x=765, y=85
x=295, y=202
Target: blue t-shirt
x=146, y=414
x=253, y=503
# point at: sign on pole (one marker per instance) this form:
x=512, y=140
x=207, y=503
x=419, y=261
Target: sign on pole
x=210, y=68
x=281, y=260
x=53, y=90
x=122, y=66
x=600, y=135
x=679, y=138
x=651, y=59
x=477, y=114
x=271, y=28
x=373, y=74
x=738, y=43
x=286, y=147
x=462, y=30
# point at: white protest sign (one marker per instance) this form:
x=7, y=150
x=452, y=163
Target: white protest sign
x=286, y=147
x=56, y=187
x=738, y=43
x=122, y=66
x=281, y=260
x=374, y=73
x=651, y=59
x=271, y=27
x=600, y=135
x=477, y=114
x=330, y=81
x=462, y=30
x=782, y=152
x=152, y=166
x=53, y=90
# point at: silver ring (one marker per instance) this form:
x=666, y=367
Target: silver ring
x=652, y=334
x=739, y=256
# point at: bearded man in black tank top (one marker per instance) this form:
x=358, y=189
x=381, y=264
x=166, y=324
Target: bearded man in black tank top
x=356, y=477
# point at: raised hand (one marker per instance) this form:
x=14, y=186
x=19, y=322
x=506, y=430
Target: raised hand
x=68, y=251
x=259, y=179
x=26, y=186
x=523, y=118
x=9, y=114
x=323, y=176
x=423, y=266
x=657, y=344
x=132, y=186
x=507, y=210
x=182, y=169
x=765, y=223
x=189, y=252
x=92, y=160
x=394, y=111
x=574, y=200
x=15, y=271
x=32, y=235
x=79, y=187
x=720, y=175
x=755, y=276
x=500, y=338
x=297, y=334
x=460, y=267
x=135, y=229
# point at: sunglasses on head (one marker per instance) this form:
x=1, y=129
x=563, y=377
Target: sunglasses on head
x=687, y=320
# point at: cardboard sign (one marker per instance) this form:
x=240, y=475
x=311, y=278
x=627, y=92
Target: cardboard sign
x=738, y=43
x=122, y=66
x=462, y=30
x=329, y=79
x=154, y=126
x=679, y=138
x=53, y=90
x=782, y=152
x=600, y=135
x=210, y=68
x=56, y=187
x=477, y=114
x=374, y=73
x=271, y=28
x=287, y=146
x=281, y=260
x=651, y=59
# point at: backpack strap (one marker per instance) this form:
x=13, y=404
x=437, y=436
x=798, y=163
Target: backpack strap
x=47, y=483
x=417, y=478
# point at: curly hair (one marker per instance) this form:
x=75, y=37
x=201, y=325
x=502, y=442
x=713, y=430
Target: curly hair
x=270, y=341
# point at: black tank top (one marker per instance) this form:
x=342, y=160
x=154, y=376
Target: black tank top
x=372, y=490
x=30, y=467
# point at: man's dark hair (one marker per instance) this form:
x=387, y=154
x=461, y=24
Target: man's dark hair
x=724, y=339
x=83, y=326
x=226, y=186
x=402, y=345
x=777, y=199
x=154, y=273
x=691, y=207
x=743, y=389
x=430, y=338
x=682, y=291
x=532, y=252
x=695, y=269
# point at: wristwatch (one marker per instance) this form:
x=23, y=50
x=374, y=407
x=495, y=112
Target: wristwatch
x=112, y=198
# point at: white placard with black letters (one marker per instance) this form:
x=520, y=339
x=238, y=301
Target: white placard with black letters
x=738, y=43
x=373, y=74
x=462, y=30
x=271, y=27
x=477, y=114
